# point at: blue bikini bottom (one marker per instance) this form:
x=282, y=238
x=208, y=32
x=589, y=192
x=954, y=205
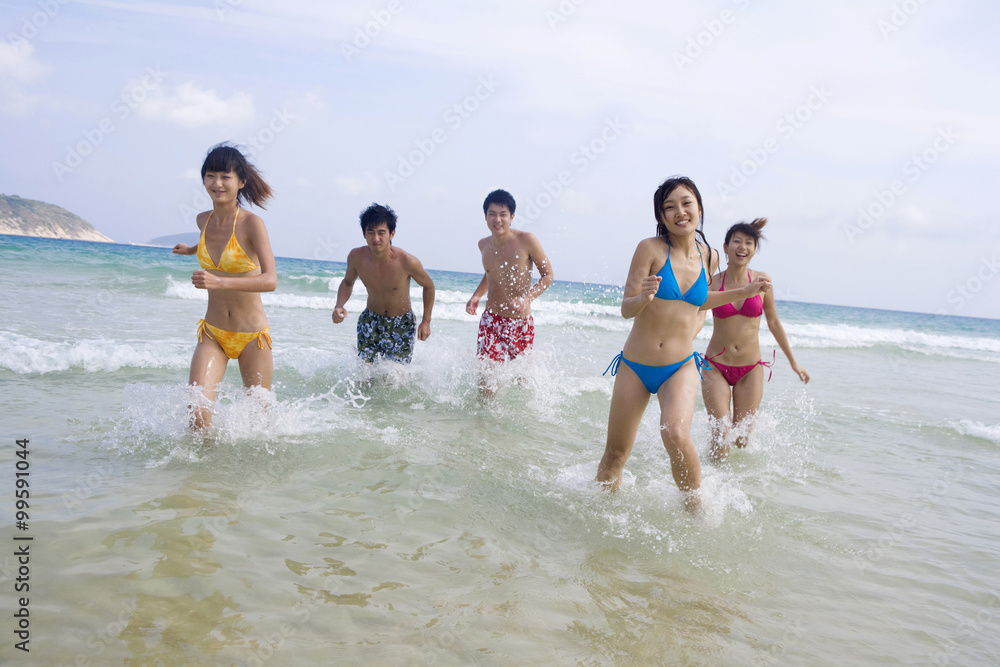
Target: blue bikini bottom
x=653, y=377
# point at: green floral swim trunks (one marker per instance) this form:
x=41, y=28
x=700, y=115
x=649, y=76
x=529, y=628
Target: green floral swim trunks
x=388, y=337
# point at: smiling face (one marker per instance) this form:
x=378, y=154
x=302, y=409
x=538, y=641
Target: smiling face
x=498, y=219
x=378, y=237
x=740, y=249
x=680, y=212
x=223, y=186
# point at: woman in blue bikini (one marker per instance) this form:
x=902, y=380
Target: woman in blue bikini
x=736, y=373
x=659, y=356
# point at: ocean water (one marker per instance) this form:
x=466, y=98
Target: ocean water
x=386, y=515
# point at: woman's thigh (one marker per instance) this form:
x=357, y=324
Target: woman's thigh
x=257, y=365
x=208, y=366
x=677, y=398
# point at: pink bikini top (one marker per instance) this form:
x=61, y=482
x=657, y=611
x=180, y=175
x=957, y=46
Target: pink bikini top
x=752, y=307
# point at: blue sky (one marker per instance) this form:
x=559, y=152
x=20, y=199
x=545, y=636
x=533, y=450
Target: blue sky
x=866, y=131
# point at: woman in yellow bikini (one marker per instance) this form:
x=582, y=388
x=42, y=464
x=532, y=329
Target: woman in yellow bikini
x=235, y=326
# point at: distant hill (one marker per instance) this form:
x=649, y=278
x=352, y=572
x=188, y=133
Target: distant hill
x=169, y=241
x=27, y=217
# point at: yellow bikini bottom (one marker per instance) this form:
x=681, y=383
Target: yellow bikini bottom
x=233, y=342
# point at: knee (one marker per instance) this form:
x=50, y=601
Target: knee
x=673, y=434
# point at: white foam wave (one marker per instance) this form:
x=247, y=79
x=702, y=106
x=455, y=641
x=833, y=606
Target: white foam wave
x=331, y=282
x=299, y=301
x=154, y=422
x=978, y=430
x=852, y=336
x=23, y=355
x=184, y=290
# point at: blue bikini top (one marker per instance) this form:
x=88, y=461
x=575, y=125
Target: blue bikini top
x=669, y=290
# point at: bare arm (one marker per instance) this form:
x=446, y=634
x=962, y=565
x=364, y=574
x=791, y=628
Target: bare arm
x=760, y=284
x=640, y=286
x=184, y=249
x=346, y=288
x=546, y=275
x=778, y=331
x=477, y=295
x=265, y=281
x=422, y=278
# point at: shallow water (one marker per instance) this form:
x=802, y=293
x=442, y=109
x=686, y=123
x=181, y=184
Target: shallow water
x=387, y=515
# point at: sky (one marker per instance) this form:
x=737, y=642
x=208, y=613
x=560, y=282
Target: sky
x=866, y=131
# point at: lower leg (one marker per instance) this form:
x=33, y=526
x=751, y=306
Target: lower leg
x=746, y=399
x=628, y=401
x=716, y=394
x=208, y=365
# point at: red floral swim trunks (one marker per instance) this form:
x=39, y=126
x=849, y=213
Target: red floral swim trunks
x=502, y=338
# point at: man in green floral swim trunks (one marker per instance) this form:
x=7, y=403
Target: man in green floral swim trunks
x=387, y=325
x=389, y=337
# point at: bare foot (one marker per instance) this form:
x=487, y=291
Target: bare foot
x=692, y=501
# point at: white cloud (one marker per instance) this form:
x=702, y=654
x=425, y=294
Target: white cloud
x=18, y=68
x=914, y=218
x=357, y=185
x=17, y=62
x=190, y=106
x=577, y=202
x=439, y=193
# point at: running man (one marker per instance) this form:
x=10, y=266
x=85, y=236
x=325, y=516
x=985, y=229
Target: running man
x=507, y=328
x=387, y=326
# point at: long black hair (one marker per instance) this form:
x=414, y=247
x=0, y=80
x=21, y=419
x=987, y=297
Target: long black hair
x=661, y=194
x=226, y=157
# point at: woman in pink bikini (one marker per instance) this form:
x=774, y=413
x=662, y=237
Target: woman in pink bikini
x=736, y=369
x=235, y=325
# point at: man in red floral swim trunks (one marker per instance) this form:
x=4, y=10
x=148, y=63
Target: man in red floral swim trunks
x=507, y=328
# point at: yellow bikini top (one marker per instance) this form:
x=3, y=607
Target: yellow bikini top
x=233, y=259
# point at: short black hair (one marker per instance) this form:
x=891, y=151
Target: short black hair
x=375, y=215
x=502, y=198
